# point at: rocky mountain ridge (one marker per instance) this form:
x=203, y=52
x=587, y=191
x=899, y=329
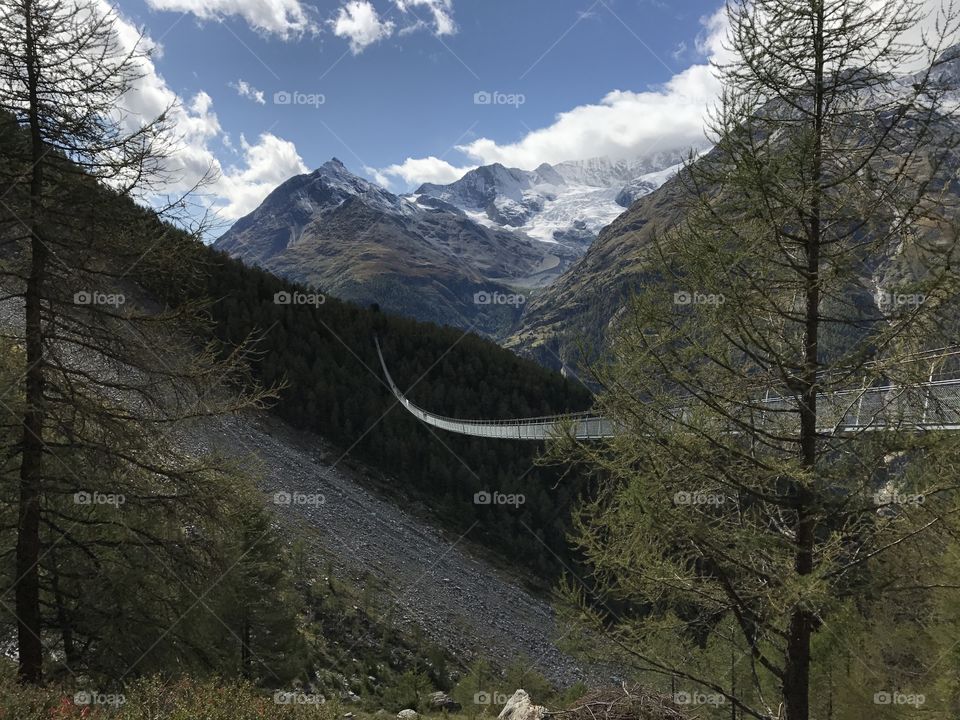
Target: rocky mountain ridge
x=349, y=237
x=566, y=203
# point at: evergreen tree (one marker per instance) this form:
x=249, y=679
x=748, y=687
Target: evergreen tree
x=729, y=524
x=104, y=380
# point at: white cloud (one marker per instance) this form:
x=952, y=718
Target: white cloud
x=441, y=12
x=246, y=90
x=267, y=163
x=279, y=17
x=623, y=124
x=712, y=40
x=232, y=191
x=359, y=22
x=415, y=171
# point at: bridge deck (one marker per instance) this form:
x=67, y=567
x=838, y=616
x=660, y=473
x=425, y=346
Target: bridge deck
x=930, y=406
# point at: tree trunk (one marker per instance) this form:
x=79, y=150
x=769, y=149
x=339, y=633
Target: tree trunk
x=796, y=678
x=64, y=621
x=29, y=646
x=245, y=654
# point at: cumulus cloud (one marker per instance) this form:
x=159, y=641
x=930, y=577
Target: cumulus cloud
x=266, y=164
x=232, y=191
x=627, y=124
x=622, y=124
x=415, y=171
x=246, y=90
x=284, y=18
x=440, y=11
x=358, y=22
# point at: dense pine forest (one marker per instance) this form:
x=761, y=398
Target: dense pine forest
x=324, y=358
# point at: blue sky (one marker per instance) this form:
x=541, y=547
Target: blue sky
x=390, y=86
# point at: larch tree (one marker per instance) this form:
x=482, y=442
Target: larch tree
x=112, y=368
x=763, y=485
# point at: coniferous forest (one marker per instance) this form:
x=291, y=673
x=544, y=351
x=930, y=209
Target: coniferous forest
x=325, y=358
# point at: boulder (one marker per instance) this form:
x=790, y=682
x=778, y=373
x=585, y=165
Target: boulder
x=520, y=707
x=442, y=701
x=407, y=714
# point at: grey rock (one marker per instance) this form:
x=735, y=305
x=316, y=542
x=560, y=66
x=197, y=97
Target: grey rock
x=521, y=707
x=442, y=701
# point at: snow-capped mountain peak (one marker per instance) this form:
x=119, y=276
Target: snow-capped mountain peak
x=569, y=202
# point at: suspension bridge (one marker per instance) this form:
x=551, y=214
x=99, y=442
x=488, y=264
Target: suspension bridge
x=928, y=406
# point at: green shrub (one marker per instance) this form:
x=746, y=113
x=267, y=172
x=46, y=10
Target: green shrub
x=157, y=699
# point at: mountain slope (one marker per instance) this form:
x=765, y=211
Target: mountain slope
x=579, y=307
x=350, y=238
x=437, y=584
x=579, y=311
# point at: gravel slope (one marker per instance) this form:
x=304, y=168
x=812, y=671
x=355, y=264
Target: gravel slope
x=460, y=601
